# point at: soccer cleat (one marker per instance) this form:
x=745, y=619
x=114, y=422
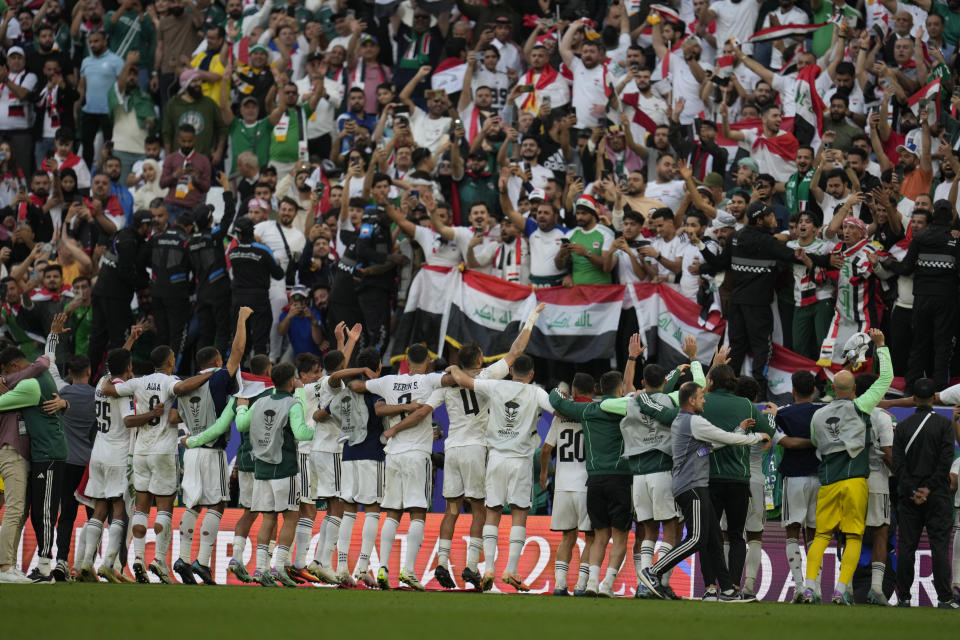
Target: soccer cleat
x=643, y=593
x=74, y=575
x=324, y=574
x=948, y=604
x=140, y=572
x=748, y=592
x=561, y=591
x=346, y=580
x=579, y=593
x=14, y=576
x=40, y=578
x=591, y=590
x=240, y=571
x=203, y=573
x=797, y=596
x=442, y=574
x=291, y=573
x=264, y=579
x=281, y=577
x=160, y=570
x=904, y=603
x=606, y=592
x=669, y=593
x=652, y=582
x=710, y=595
x=842, y=599
x=472, y=576
x=184, y=570
x=124, y=578
x=87, y=574
x=877, y=598
x=514, y=581
x=302, y=575
x=383, y=578
x=487, y=583
x=811, y=597
x=108, y=574
x=366, y=578
x=410, y=579
x=61, y=572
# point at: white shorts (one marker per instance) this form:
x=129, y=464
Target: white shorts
x=509, y=481
x=245, y=480
x=205, y=478
x=464, y=469
x=878, y=509
x=570, y=511
x=361, y=481
x=307, y=478
x=756, y=507
x=653, y=497
x=408, y=482
x=276, y=496
x=326, y=479
x=155, y=473
x=106, y=481
x=799, y=504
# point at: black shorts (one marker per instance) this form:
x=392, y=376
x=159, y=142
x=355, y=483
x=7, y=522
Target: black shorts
x=610, y=501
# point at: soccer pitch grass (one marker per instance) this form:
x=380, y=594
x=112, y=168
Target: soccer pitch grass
x=81, y=611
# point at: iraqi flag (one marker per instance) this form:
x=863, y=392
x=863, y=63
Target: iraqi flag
x=783, y=31
x=723, y=68
x=668, y=318
x=449, y=76
x=783, y=364
x=579, y=323
x=488, y=311
x=749, y=124
x=665, y=12
x=640, y=118
x=808, y=122
x=253, y=385
x=931, y=93
x=427, y=302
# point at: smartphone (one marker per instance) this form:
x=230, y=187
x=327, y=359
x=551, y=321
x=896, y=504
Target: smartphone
x=524, y=88
x=635, y=67
x=922, y=104
x=545, y=101
x=572, y=168
x=457, y=123
x=564, y=240
x=351, y=14
x=414, y=193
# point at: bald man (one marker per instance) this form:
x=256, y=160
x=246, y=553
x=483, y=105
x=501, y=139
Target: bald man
x=841, y=433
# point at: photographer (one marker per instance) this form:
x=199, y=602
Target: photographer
x=302, y=324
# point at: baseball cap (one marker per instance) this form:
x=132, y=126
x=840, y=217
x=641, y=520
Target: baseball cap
x=713, y=179
x=299, y=290
x=142, y=216
x=247, y=99
x=758, y=211
x=910, y=146
x=13, y=50
x=315, y=56
x=243, y=225
x=258, y=47
x=366, y=37
x=537, y=194
x=502, y=20
x=724, y=220
x=749, y=163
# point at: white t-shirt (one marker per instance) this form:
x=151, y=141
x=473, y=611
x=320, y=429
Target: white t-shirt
x=689, y=283
x=429, y=132
x=514, y=411
x=686, y=86
x=670, y=250
x=787, y=87
x=625, y=272
x=404, y=389
x=588, y=92
x=323, y=119
x=829, y=206
x=881, y=435
x=112, y=444
x=467, y=409
x=440, y=252
x=544, y=246
x=158, y=435
x=736, y=20
x=269, y=233
x=826, y=88
x=669, y=193
x=23, y=116
x=539, y=175
x=566, y=436
x=795, y=15
x=326, y=432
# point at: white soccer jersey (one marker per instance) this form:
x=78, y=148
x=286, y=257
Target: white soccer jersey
x=158, y=435
x=112, y=444
x=404, y=389
x=881, y=435
x=467, y=409
x=326, y=432
x=514, y=411
x=566, y=436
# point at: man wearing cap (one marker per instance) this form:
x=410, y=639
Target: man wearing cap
x=254, y=269
x=364, y=69
x=286, y=242
x=177, y=37
x=916, y=162
x=191, y=107
x=98, y=72
x=170, y=272
x=186, y=173
x=133, y=115
x=583, y=254
x=301, y=323
x=254, y=77
x=288, y=140
x=248, y=132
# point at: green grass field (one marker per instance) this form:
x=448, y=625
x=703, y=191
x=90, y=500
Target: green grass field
x=132, y=611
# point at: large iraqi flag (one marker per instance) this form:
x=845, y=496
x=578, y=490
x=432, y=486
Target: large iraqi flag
x=783, y=364
x=579, y=324
x=488, y=311
x=428, y=299
x=667, y=317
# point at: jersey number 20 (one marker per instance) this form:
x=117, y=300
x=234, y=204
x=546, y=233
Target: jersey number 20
x=570, y=446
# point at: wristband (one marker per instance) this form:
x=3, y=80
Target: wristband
x=531, y=320
x=632, y=358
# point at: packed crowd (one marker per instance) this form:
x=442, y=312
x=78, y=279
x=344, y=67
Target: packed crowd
x=187, y=182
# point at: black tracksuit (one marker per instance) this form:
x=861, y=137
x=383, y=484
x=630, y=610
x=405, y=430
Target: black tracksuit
x=253, y=266
x=122, y=272
x=932, y=259
x=209, y=266
x=170, y=270
x=922, y=458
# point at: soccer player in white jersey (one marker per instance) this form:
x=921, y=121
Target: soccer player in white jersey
x=569, y=488
x=154, y=455
x=108, y=469
x=465, y=452
x=512, y=439
x=206, y=477
x=408, y=485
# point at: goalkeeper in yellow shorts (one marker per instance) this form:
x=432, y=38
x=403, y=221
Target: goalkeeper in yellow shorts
x=841, y=433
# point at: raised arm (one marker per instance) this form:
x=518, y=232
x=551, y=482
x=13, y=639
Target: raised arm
x=185, y=386
x=239, y=340
x=404, y=96
x=869, y=400
x=566, y=43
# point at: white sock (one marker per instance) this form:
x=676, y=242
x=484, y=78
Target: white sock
x=208, y=536
x=810, y=583
x=594, y=577
x=188, y=524
x=726, y=553
x=841, y=587
x=371, y=523
x=610, y=578
x=271, y=546
x=115, y=540
x=414, y=540
x=752, y=563
x=475, y=546
x=583, y=576
x=443, y=552
x=560, y=570
x=638, y=563
x=302, y=537
x=92, y=532
x=43, y=566
x=239, y=543
x=140, y=519
x=344, y=536
x=795, y=562
x=333, y=530
x=164, y=522
x=387, y=535
x=263, y=557
x=281, y=557
x=489, y=547
x=518, y=536
x=81, y=549
x=877, y=570
x=663, y=548
x=647, y=548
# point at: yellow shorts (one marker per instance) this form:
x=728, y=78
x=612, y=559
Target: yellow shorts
x=843, y=505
